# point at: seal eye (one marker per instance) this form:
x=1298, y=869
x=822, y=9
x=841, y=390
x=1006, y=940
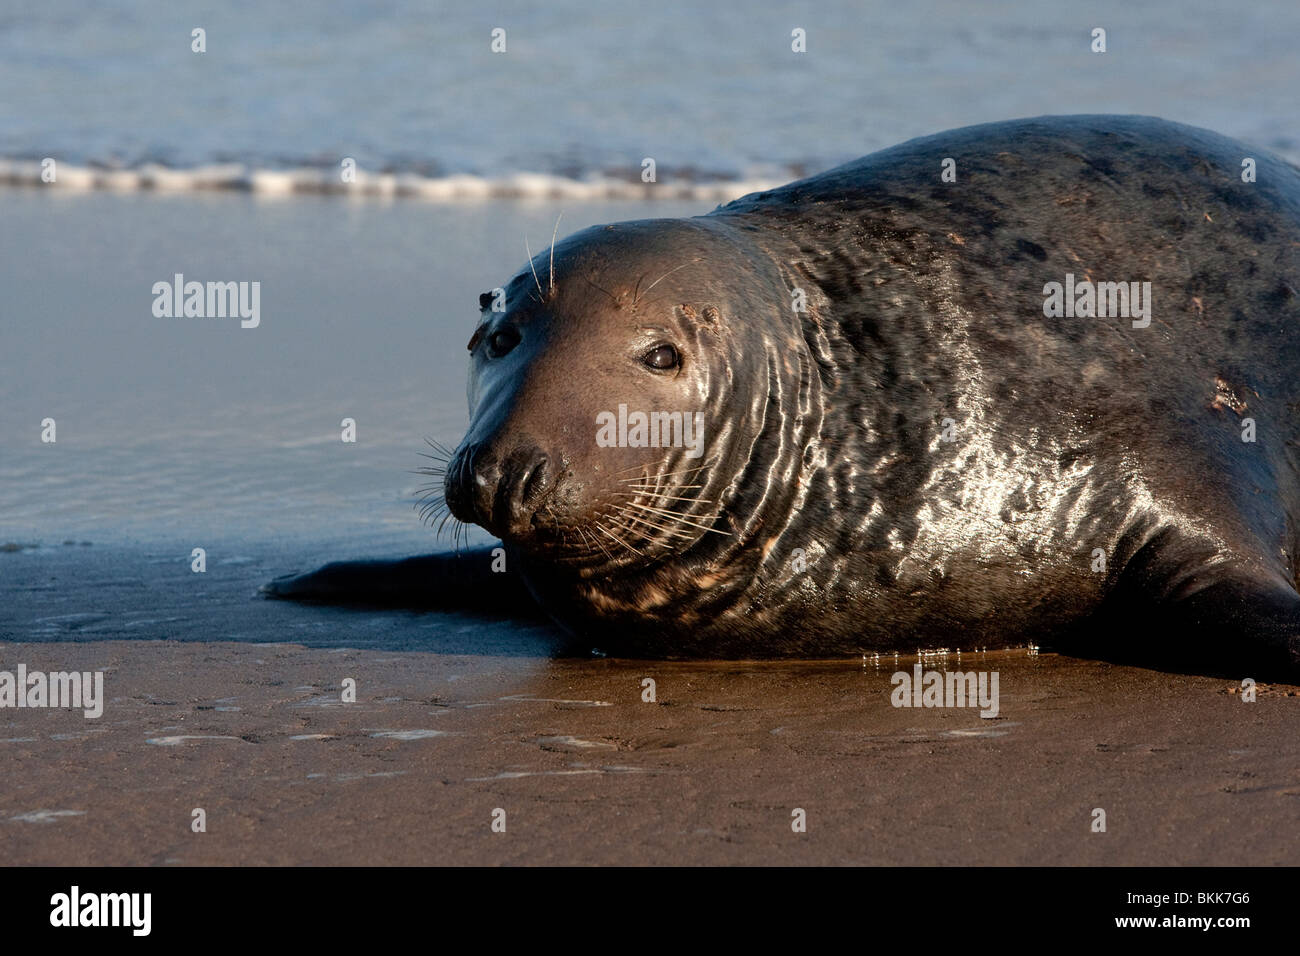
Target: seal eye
x=502, y=341
x=662, y=358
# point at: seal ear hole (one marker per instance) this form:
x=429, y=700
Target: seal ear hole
x=662, y=358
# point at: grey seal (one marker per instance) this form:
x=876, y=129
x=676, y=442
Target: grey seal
x=1026, y=381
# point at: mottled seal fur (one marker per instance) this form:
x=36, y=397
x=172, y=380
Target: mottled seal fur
x=901, y=448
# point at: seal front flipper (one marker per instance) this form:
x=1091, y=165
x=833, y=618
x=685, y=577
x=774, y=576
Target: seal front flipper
x=1234, y=614
x=448, y=581
x=1252, y=623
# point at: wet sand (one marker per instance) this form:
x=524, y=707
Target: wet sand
x=453, y=721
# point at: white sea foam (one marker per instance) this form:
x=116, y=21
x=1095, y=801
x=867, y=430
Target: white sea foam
x=461, y=187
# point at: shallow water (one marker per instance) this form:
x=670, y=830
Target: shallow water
x=710, y=92
x=194, y=432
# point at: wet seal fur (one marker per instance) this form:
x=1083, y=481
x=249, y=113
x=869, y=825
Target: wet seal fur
x=919, y=457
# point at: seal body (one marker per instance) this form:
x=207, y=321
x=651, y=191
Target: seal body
x=1027, y=381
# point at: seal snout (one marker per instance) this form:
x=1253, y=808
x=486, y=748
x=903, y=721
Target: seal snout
x=499, y=493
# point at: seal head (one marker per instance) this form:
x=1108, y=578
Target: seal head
x=647, y=396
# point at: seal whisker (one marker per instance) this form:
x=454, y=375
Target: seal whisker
x=636, y=297
x=624, y=471
x=582, y=534
x=430, y=499
x=703, y=501
x=676, y=516
x=564, y=537
x=439, y=447
x=652, y=488
x=554, y=232
x=664, y=474
x=433, y=506
x=602, y=528
x=434, y=511
x=602, y=547
x=531, y=266
x=642, y=466
x=654, y=484
x=612, y=297
x=669, y=531
x=641, y=526
x=595, y=545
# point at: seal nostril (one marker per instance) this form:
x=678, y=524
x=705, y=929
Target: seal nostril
x=473, y=482
x=521, y=490
x=537, y=481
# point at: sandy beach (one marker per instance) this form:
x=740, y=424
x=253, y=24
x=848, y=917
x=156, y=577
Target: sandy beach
x=588, y=773
x=224, y=701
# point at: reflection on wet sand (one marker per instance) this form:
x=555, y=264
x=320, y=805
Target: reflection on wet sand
x=588, y=771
